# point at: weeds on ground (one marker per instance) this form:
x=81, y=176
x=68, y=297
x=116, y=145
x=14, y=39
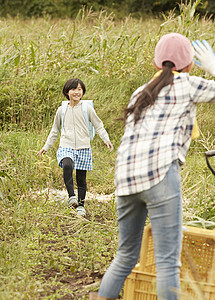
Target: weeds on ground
x=45, y=245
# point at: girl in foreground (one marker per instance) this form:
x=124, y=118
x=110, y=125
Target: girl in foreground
x=158, y=126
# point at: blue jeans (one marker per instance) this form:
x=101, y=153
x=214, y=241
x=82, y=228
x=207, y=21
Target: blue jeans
x=163, y=202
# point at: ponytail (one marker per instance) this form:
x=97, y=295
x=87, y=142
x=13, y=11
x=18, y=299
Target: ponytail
x=148, y=95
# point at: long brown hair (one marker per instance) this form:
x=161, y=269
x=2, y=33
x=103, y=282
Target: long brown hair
x=148, y=95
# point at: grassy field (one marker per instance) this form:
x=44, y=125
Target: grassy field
x=46, y=251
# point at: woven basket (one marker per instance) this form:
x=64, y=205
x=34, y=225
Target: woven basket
x=197, y=271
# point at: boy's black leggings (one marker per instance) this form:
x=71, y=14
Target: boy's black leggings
x=68, y=164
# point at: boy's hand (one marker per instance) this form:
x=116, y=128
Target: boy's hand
x=42, y=151
x=205, y=55
x=109, y=145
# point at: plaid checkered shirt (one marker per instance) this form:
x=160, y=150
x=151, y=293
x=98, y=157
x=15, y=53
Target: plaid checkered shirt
x=161, y=135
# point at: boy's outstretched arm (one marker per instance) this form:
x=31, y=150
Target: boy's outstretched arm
x=42, y=151
x=109, y=145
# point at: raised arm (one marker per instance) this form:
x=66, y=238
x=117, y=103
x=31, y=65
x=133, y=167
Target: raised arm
x=205, y=56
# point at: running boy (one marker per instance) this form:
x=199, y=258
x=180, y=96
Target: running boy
x=74, y=151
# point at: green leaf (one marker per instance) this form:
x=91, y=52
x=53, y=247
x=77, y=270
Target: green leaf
x=3, y=174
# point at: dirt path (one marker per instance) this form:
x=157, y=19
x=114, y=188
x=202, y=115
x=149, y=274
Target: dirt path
x=61, y=195
x=78, y=284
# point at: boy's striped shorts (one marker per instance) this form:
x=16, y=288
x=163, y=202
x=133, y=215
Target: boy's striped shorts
x=82, y=158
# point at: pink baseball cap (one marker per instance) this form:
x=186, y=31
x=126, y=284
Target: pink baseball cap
x=176, y=48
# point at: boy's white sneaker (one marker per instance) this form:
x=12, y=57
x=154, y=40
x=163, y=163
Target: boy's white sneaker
x=73, y=202
x=81, y=211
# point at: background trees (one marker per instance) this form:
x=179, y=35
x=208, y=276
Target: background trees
x=69, y=8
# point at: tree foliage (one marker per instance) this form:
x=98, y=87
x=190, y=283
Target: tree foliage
x=69, y=8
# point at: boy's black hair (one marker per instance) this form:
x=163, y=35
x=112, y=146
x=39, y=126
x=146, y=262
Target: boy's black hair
x=72, y=84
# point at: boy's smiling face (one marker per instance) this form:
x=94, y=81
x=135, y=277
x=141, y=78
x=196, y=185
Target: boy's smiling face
x=76, y=94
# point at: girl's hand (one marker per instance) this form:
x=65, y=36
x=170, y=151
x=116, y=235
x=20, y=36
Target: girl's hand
x=42, y=151
x=109, y=145
x=205, y=55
